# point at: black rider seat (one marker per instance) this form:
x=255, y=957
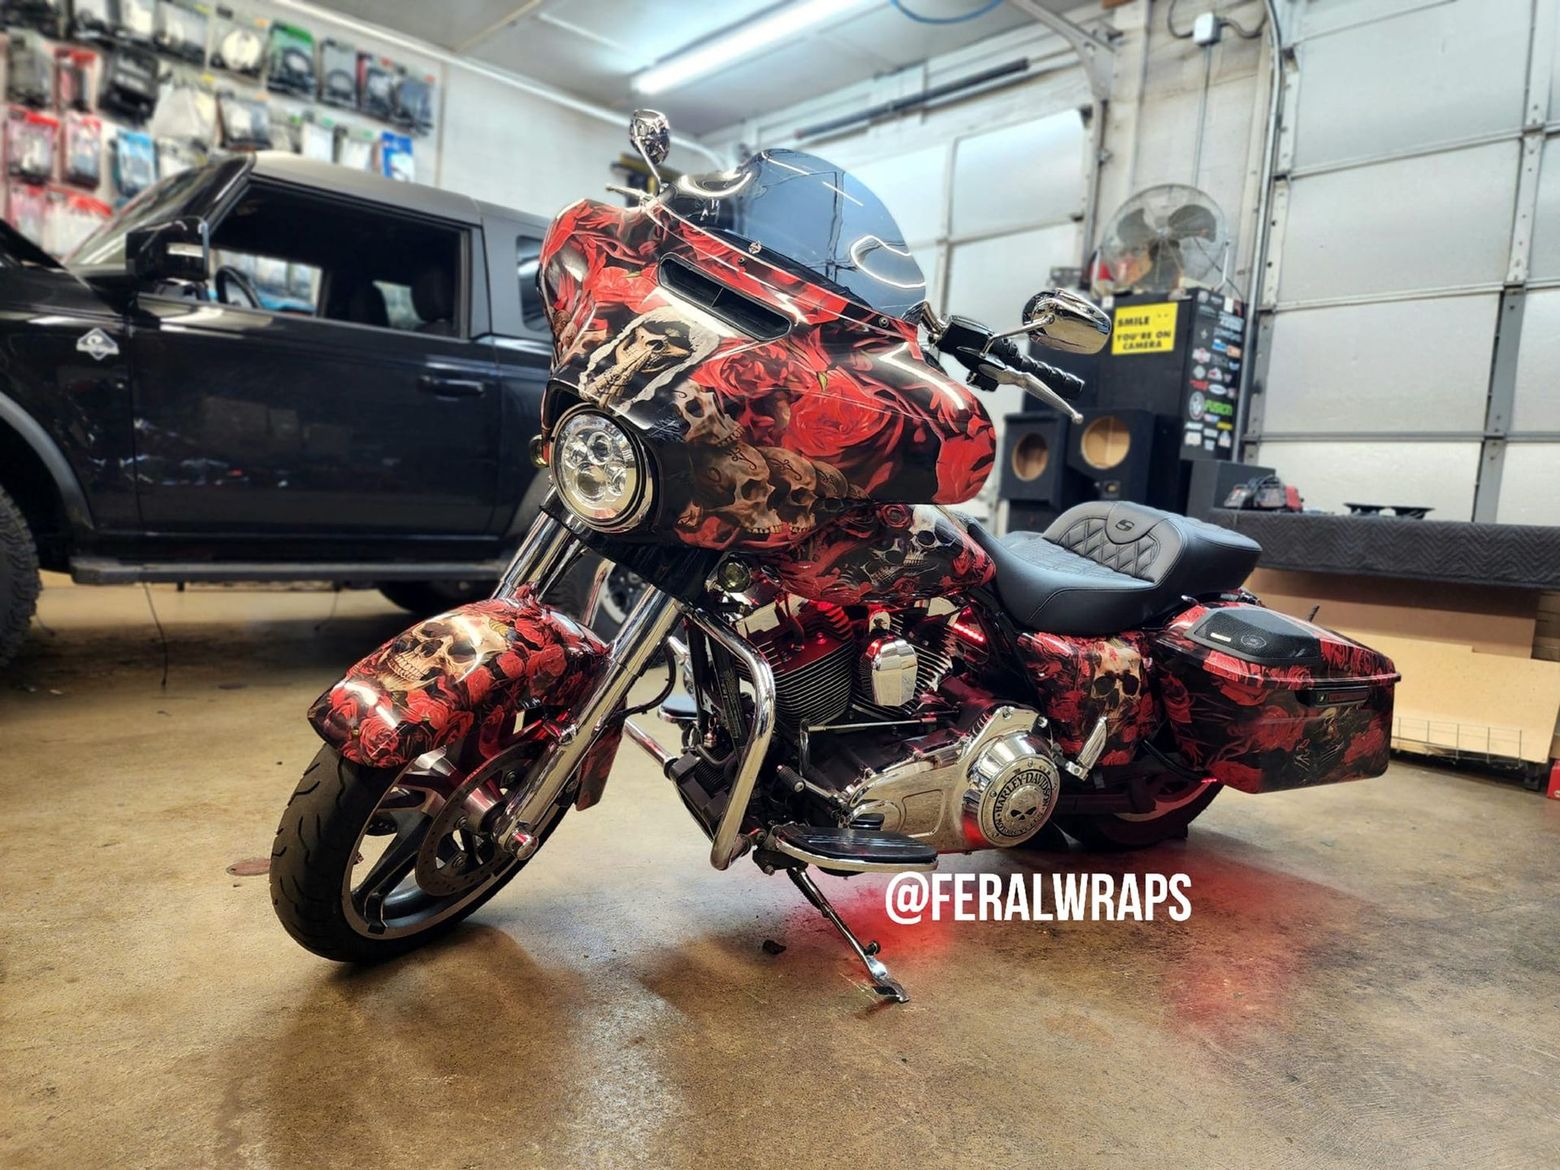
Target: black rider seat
x=1102, y=567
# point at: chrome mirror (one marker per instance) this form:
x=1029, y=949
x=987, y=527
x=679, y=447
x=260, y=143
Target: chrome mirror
x=1064, y=320
x=651, y=135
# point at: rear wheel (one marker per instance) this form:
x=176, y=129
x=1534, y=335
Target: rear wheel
x=19, y=582
x=1176, y=805
x=370, y=863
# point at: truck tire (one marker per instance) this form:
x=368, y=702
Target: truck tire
x=19, y=581
x=426, y=598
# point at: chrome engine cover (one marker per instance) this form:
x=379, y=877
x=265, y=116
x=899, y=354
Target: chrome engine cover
x=993, y=782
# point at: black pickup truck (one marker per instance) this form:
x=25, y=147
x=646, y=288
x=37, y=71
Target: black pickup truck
x=272, y=369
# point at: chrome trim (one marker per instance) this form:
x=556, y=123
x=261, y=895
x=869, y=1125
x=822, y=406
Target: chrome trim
x=545, y=544
x=780, y=845
x=892, y=669
x=728, y=843
x=598, y=582
x=640, y=640
x=649, y=743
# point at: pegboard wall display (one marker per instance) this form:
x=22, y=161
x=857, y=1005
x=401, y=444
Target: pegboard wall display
x=105, y=97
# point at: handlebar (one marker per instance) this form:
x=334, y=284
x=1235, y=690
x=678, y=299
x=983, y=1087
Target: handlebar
x=996, y=361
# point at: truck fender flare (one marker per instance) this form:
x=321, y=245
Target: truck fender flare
x=466, y=670
x=31, y=432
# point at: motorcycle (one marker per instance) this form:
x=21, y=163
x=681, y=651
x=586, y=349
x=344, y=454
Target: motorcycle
x=745, y=411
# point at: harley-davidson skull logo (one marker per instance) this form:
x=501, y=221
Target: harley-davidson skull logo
x=649, y=352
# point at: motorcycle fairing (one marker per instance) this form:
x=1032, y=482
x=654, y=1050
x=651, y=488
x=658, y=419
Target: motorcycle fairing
x=468, y=668
x=757, y=442
x=1079, y=680
x=888, y=555
x=1265, y=728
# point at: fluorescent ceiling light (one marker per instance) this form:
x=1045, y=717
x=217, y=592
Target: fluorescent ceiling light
x=741, y=41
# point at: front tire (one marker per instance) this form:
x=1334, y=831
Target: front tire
x=337, y=810
x=19, y=580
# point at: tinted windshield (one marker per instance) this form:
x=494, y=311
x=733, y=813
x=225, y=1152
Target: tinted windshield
x=106, y=246
x=812, y=217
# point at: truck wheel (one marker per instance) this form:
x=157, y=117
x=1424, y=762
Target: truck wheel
x=19, y=582
x=426, y=598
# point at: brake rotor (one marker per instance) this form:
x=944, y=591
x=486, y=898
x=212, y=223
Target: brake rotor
x=455, y=855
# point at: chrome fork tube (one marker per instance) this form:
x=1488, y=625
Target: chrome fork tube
x=644, y=632
x=545, y=548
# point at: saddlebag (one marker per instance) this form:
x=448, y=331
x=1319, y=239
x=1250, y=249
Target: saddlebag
x=1264, y=702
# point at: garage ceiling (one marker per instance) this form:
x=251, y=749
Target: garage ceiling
x=592, y=47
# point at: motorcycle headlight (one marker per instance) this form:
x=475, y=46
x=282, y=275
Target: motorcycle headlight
x=600, y=472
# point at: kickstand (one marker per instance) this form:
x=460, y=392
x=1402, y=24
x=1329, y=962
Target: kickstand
x=882, y=982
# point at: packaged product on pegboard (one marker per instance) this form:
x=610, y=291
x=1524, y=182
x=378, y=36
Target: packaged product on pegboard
x=69, y=218
x=376, y=86
x=73, y=78
x=92, y=21
x=238, y=43
x=395, y=157
x=82, y=163
x=30, y=140
x=135, y=162
x=338, y=74
x=25, y=207
x=290, y=61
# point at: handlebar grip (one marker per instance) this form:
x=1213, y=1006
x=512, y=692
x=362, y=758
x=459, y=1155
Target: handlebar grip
x=1067, y=385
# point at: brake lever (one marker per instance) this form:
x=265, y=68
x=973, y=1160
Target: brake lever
x=1003, y=374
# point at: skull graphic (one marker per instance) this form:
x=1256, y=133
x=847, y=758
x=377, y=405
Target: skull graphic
x=702, y=416
x=447, y=646
x=643, y=357
x=1117, y=683
x=733, y=484
x=799, y=485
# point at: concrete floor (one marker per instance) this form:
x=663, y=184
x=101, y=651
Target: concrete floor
x=1369, y=976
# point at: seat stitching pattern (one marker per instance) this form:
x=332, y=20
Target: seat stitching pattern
x=1087, y=538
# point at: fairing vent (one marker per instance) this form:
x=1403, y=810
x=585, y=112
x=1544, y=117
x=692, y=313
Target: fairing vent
x=737, y=310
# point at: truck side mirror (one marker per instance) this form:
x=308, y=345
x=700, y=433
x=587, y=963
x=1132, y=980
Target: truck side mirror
x=179, y=249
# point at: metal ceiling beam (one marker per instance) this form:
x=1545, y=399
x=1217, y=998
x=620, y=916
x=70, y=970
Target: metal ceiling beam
x=1096, y=53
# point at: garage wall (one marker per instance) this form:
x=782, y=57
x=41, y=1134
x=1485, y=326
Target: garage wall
x=1407, y=352
x=492, y=140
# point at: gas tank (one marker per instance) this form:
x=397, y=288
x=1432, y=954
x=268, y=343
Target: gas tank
x=769, y=405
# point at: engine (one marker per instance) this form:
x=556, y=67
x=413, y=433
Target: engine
x=895, y=739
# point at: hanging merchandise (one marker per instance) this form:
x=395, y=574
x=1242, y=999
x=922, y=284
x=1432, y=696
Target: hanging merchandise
x=355, y=149
x=137, y=21
x=83, y=162
x=69, y=218
x=395, y=156
x=72, y=68
x=47, y=16
x=30, y=139
x=93, y=21
x=376, y=85
x=25, y=209
x=135, y=162
x=186, y=110
x=317, y=139
x=246, y=122
x=29, y=77
x=181, y=30
x=414, y=104
x=338, y=74
x=290, y=61
x=175, y=155
x=238, y=43
x=129, y=86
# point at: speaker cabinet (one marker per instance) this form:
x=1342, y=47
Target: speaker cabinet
x=1034, y=460
x=1128, y=455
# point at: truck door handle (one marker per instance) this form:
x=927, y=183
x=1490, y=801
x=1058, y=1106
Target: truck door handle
x=451, y=387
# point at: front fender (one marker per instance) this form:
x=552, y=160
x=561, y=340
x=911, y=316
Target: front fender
x=464, y=669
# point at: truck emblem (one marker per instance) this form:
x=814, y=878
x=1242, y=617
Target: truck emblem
x=97, y=344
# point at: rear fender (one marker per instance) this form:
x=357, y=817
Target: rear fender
x=469, y=668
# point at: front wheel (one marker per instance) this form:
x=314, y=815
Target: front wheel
x=370, y=863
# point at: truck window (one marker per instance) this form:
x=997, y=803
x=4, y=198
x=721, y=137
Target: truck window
x=362, y=264
x=528, y=252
